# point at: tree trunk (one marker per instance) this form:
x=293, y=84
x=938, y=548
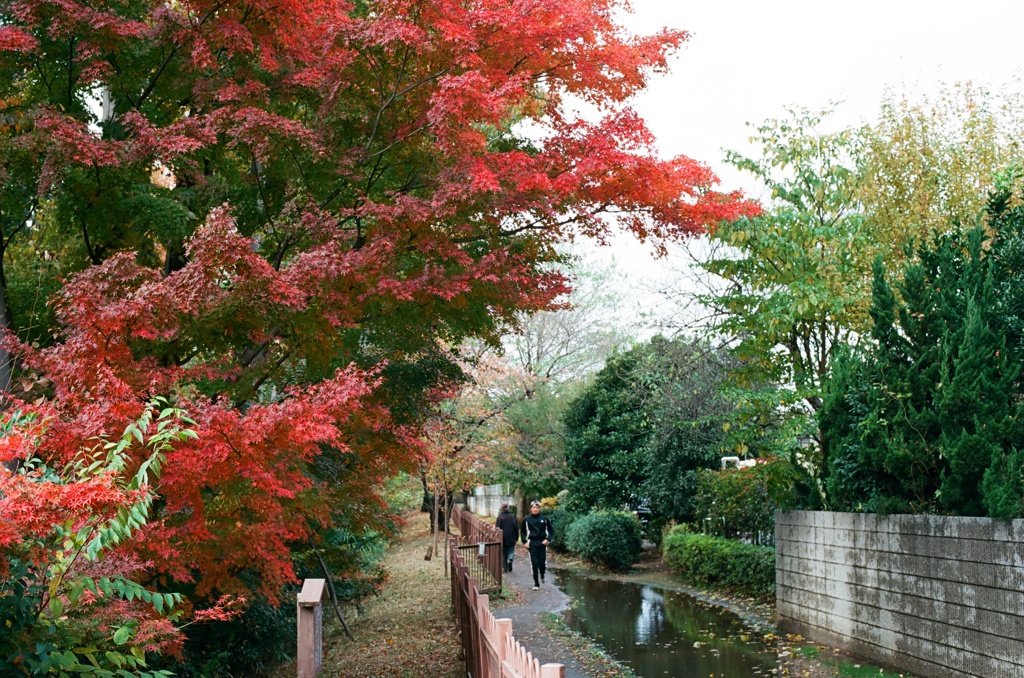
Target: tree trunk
x=436, y=523
x=5, y=355
x=447, y=512
x=427, y=505
x=520, y=501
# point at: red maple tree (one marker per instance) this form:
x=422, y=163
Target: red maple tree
x=347, y=187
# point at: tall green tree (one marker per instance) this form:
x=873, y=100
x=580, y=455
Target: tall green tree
x=1003, y=484
x=793, y=275
x=915, y=421
x=606, y=430
x=652, y=417
x=793, y=286
x=682, y=384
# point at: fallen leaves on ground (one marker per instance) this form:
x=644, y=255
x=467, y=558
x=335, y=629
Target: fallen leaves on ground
x=408, y=630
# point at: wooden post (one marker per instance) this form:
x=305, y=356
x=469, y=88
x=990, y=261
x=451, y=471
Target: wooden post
x=482, y=603
x=310, y=655
x=552, y=671
x=504, y=631
x=473, y=587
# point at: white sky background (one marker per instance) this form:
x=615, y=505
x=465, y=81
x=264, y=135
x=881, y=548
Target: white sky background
x=748, y=60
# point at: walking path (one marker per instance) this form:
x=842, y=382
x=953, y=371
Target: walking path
x=528, y=609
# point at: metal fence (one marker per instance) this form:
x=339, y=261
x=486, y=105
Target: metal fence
x=477, y=564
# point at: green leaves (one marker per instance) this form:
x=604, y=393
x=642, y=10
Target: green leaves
x=122, y=635
x=714, y=561
x=652, y=416
x=62, y=626
x=926, y=417
x=609, y=538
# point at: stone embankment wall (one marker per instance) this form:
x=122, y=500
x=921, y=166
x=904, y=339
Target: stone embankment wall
x=936, y=596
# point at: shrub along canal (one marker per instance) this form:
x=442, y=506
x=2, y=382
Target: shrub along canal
x=657, y=632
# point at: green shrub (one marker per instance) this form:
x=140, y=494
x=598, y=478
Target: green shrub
x=713, y=561
x=656, y=530
x=607, y=538
x=253, y=644
x=561, y=521
x=734, y=503
x=403, y=493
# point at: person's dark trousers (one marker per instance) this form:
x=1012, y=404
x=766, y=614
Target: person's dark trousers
x=538, y=559
x=510, y=554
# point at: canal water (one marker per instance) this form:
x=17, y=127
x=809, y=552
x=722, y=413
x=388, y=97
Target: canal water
x=660, y=633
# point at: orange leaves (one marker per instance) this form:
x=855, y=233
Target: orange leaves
x=30, y=505
x=235, y=495
x=227, y=272
x=226, y=607
x=241, y=491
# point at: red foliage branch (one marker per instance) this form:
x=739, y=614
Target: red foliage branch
x=384, y=205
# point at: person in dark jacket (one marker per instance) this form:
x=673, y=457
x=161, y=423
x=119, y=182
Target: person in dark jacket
x=509, y=532
x=538, y=531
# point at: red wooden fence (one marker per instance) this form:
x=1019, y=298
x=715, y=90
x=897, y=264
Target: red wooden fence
x=474, y=532
x=490, y=648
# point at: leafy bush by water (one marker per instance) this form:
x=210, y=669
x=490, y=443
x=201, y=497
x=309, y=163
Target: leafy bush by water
x=734, y=503
x=713, y=561
x=561, y=521
x=607, y=538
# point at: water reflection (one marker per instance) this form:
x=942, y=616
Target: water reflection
x=651, y=620
x=664, y=633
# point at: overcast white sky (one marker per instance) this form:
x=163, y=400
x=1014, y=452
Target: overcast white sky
x=747, y=60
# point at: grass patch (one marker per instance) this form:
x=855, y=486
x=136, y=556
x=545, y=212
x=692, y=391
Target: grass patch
x=507, y=595
x=851, y=670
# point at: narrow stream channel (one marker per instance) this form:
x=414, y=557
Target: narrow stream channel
x=662, y=633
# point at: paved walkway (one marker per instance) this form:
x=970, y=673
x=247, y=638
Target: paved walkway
x=527, y=611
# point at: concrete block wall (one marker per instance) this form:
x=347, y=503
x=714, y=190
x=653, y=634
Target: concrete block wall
x=486, y=500
x=936, y=596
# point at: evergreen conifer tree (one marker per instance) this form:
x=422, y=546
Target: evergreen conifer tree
x=925, y=418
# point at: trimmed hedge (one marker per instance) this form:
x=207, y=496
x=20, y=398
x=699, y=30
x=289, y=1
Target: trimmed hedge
x=607, y=538
x=713, y=561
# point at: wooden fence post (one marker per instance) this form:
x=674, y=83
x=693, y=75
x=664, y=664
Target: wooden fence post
x=482, y=603
x=504, y=632
x=552, y=671
x=473, y=587
x=310, y=655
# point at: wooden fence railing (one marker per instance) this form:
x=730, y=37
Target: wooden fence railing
x=490, y=648
x=474, y=528
x=478, y=565
x=474, y=532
